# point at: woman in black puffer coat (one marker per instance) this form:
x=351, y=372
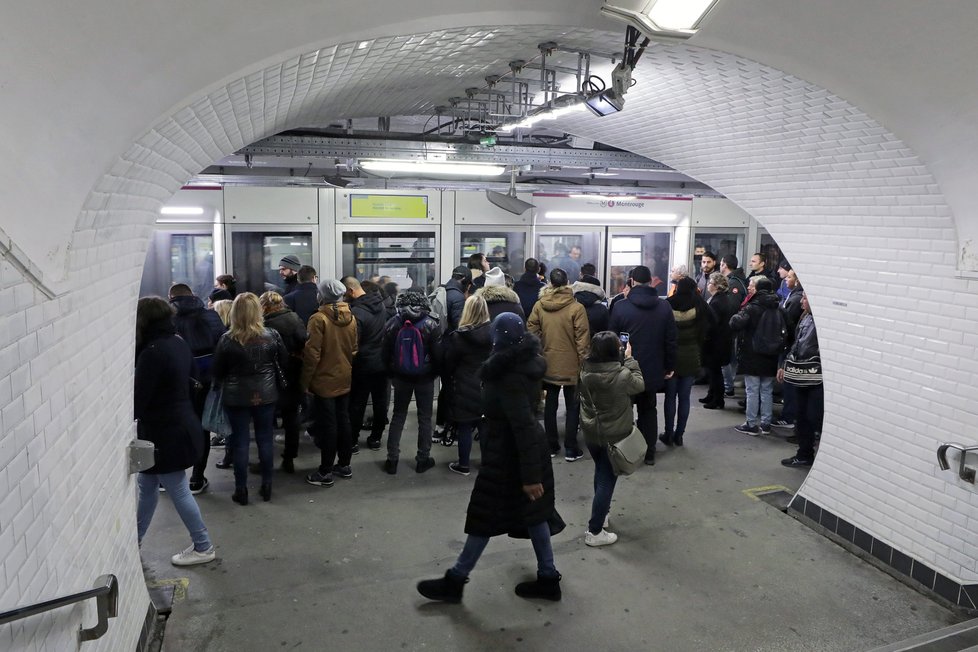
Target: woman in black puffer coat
x=718, y=350
x=287, y=323
x=514, y=492
x=465, y=350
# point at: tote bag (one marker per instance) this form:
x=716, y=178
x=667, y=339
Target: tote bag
x=215, y=419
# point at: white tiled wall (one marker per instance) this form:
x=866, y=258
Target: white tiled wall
x=855, y=211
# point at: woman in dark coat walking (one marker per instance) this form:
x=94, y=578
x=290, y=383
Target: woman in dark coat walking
x=287, y=323
x=514, y=491
x=465, y=350
x=165, y=416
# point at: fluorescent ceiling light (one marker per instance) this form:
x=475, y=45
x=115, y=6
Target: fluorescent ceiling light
x=604, y=197
x=665, y=19
x=181, y=210
x=550, y=114
x=424, y=167
x=631, y=217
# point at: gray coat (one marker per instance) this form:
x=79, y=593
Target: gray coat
x=605, y=389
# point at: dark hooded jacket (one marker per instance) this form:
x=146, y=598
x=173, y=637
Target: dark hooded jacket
x=371, y=316
x=248, y=372
x=592, y=297
x=652, y=332
x=455, y=298
x=464, y=352
x=200, y=328
x=327, y=359
x=737, y=284
x=718, y=350
x=293, y=333
x=744, y=323
x=414, y=306
x=501, y=299
x=303, y=300
x=792, y=311
x=694, y=326
x=515, y=452
x=161, y=400
x=527, y=288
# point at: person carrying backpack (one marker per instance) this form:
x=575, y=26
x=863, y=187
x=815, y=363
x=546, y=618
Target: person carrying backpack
x=761, y=333
x=411, y=343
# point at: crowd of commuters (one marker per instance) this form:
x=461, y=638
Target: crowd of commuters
x=505, y=350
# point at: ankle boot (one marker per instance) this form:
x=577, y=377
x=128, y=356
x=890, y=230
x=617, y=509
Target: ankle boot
x=677, y=439
x=266, y=492
x=444, y=589
x=715, y=405
x=545, y=588
x=240, y=496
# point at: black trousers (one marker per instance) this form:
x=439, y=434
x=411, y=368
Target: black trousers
x=198, y=399
x=809, y=409
x=647, y=419
x=376, y=388
x=331, y=430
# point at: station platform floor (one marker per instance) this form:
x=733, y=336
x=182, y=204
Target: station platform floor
x=700, y=564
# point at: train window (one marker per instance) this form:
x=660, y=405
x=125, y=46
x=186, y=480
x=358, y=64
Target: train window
x=722, y=244
x=568, y=251
x=503, y=249
x=630, y=250
x=770, y=250
x=255, y=256
x=178, y=258
x=404, y=258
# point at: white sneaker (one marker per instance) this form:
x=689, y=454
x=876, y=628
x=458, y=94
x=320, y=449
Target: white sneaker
x=602, y=538
x=280, y=439
x=191, y=557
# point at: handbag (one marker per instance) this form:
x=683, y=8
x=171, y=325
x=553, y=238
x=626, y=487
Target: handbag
x=803, y=373
x=280, y=380
x=628, y=454
x=215, y=418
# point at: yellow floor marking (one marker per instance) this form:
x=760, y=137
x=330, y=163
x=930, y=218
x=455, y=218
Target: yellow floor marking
x=179, y=585
x=757, y=491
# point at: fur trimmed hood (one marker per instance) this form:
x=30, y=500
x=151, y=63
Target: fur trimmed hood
x=496, y=293
x=596, y=290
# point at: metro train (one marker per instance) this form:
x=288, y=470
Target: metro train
x=417, y=237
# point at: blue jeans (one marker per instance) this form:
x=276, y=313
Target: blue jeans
x=604, y=487
x=263, y=417
x=424, y=397
x=678, y=387
x=760, y=389
x=475, y=545
x=464, y=432
x=178, y=489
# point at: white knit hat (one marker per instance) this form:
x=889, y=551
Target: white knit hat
x=495, y=278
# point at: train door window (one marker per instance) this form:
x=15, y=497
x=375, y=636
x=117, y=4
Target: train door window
x=504, y=249
x=770, y=250
x=569, y=251
x=406, y=258
x=628, y=250
x=255, y=256
x=720, y=243
x=175, y=257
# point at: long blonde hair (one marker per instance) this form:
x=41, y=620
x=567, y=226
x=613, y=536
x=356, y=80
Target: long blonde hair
x=475, y=312
x=246, y=318
x=271, y=301
x=223, y=310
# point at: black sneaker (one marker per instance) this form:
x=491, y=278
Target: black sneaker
x=288, y=466
x=343, y=471
x=390, y=466
x=573, y=455
x=373, y=444
x=747, y=429
x=355, y=449
x=218, y=441
x=436, y=437
x=728, y=393
x=781, y=423
x=198, y=486
x=320, y=479
x=796, y=461
x=455, y=467
x=425, y=464
x=765, y=428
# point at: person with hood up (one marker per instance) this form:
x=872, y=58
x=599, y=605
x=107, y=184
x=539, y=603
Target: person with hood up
x=514, y=491
x=327, y=372
x=410, y=360
x=498, y=297
x=652, y=333
x=289, y=326
x=609, y=378
x=561, y=324
x=694, y=326
x=759, y=369
x=369, y=375
x=464, y=352
x=589, y=293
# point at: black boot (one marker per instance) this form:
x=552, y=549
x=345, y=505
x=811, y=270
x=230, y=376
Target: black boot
x=444, y=589
x=677, y=439
x=666, y=438
x=240, y=496
x=545, y=588
x=266, y=492
x=716, y=405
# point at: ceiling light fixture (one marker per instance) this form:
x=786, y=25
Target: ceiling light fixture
x=664, y=19
x=425, y=167
x=509, y=202
x=181, y=210
x=633, y=217
x=603, y=197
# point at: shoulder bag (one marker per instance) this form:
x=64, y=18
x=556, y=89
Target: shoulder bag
x=626, y=454
x=803, y=373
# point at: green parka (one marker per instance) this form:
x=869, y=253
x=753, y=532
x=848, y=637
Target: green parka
x=605, y=390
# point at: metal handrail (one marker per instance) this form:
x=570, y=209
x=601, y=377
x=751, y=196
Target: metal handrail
x=966, y=473
x=106, y=593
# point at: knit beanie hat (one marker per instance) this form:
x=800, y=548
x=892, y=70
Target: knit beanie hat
x=495, y=278
x=507, y=330
x=331, y=291
x=290, y=262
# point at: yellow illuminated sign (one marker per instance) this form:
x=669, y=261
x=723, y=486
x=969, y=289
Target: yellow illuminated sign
x=407, y=206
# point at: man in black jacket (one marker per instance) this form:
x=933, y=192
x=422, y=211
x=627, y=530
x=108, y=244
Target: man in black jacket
x=455, y=290
x=201, y=329
x=653, y=335
x=759, y=368
x=369, y=374
x=529, y=284
x=304, y=299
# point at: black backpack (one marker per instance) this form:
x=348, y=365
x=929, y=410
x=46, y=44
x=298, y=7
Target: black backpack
x=771, y=333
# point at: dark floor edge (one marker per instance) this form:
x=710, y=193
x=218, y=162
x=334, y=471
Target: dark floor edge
x=151, y=635
x=962, y=598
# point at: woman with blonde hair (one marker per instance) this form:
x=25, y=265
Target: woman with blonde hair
x=247, y=363
x=465, y=351
x=223, y=310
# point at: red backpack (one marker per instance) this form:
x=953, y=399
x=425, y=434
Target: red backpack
x=409, y=352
